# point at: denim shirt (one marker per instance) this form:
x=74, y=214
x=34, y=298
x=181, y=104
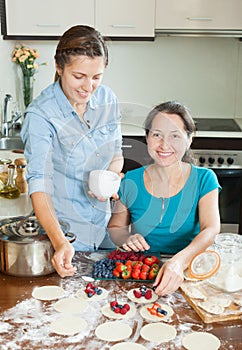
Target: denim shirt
x=61, y=150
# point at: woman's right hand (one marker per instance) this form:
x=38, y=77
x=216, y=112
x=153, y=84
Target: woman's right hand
x=136, y=243
x=62, y=259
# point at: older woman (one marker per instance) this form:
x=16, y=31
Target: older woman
x=171, y=204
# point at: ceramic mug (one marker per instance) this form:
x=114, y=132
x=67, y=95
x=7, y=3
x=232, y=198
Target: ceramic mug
x=104, y=183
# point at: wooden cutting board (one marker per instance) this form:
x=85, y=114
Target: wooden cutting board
x=232, y=312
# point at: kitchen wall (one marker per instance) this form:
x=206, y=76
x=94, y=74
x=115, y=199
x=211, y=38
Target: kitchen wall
x=205, y=73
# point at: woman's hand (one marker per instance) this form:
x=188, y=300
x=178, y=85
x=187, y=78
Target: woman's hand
x=136, y=242
x=169, y=278
x=62, y=260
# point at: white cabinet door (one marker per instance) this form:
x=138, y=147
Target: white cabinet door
x=199, y=14
x=46, y=17
x=125, y=18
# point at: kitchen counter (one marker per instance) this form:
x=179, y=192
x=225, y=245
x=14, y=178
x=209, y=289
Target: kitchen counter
x=133, y=126
x=25, y=321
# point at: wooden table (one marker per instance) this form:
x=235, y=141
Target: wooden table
x=24, y=321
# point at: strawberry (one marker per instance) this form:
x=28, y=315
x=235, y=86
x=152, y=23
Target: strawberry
x=116, y=273
x=137, y=293
x=143, y=275
x=121, y=267
x=135, y=274
x=126, y=274
x=150, y=260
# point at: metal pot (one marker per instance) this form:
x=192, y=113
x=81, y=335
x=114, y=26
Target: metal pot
x=25, y=249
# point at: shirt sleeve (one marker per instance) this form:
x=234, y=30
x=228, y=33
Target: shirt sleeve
x=37, y=135
x=209, y=182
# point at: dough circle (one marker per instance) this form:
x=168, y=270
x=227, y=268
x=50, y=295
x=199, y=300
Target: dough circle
x=48, y=293
x=70, y=305
x=211, y=308
x=200, y=341
x=68, y=325
x=113, y=331
x=106, y=311
x=128, y=345
x=147, y=315
x=158, y=332
x=141, y=300
x=82, y=294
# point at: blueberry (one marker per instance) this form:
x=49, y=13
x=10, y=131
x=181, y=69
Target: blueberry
x=99, y=291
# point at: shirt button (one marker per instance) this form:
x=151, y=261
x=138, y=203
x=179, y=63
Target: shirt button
x=98, y=154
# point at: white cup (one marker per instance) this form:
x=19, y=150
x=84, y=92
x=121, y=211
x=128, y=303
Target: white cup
x=104, y=183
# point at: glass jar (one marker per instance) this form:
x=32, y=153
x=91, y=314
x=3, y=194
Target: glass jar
x=10, y=190
x=228, y=278
x=4, y=163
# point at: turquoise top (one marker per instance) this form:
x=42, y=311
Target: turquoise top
x=168, y=224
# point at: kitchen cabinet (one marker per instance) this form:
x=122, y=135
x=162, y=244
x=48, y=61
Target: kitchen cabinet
x=34, y=18
x=125, y=18
x=198, y=15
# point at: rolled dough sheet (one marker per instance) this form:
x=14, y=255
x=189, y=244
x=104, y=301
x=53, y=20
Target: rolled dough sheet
x=147, y=315
x=158, y=332
x=70, y=305
x=48, y=293
x=106, y=311
x=141, y=300
x=68, y=325
x=113, y=331
x=82, y=294
x=200, y=341
x=128, y=346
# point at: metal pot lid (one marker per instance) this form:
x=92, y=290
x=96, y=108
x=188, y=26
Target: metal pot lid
x=25, y=229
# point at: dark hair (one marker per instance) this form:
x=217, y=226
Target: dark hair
x=173, y=107
x=80, y=40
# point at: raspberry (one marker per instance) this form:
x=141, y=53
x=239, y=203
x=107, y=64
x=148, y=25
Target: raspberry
x=123, y=311
x=148, y=294
x=137, y=294
x=126, y=307
x=117, y=310
x=113, y=303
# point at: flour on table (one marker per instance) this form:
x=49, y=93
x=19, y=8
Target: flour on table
x=70, y=305
x=211, y=308
x=193, y=291
x=48, y=293
x=238, y=301
x=158, y=332
x=200, y=341
x=141, y=300
x=128, y=345
x=147, y=315
x=221, y=300
x=83, y=295
x=68, y=325
x=113, y=331
x=106, y=311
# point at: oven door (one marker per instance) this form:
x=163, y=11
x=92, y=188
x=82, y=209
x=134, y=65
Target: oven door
x=230, y=199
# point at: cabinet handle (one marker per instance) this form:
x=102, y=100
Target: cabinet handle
x=127, y=146
x=47, y=25
x=199, y=18
x=123, y=26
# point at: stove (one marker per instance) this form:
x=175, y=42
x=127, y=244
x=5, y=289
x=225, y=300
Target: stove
x=216, y=124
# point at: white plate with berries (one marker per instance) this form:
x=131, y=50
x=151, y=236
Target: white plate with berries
x=142, y=295
x=92, y=292
x=118, y=310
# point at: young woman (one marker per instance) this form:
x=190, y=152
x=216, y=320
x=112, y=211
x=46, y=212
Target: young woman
x=171, y=204
x=73, y=127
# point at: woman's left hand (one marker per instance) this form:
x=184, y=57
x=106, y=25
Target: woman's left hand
x=169, y=278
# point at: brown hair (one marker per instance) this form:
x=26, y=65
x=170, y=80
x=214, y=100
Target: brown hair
x=173, y=107
x=80, y=40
